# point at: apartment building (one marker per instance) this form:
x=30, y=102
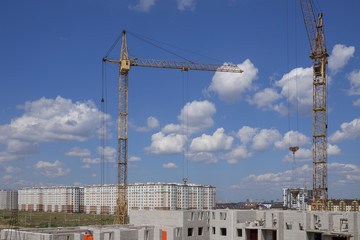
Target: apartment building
x=101, y=199
x=170, y=196
x=300, y=201
x=8, y=199
x=52, y=199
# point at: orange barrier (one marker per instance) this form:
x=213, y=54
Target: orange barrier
x=88, y=237
x=164, y=235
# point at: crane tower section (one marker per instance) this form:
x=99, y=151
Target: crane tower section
x=315, y=32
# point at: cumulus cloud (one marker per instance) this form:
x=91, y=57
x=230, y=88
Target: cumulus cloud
x=237, y=153
x=231, y=86
x=134, y=159
x=85, y=166
x=246, y=134
x=269, y=179
x=48, y=120
x=169, y=165
x=186, y=4
x=11, y=169
x=51, y=170
x=349, y=130
x=91, y=161
x=296, y=87
x=292, y=138
x=264, y=99
x=194, y=117
x=166, y=144
x=109, y=153
x=264, y=139
x=204, y=157
x=357, y=103
x=333, y=150
x=339, y=57
x=143, y=5
x=301, y=155
x=218, y=142
x=78, y=152
x=354, y=78
x=152, y=123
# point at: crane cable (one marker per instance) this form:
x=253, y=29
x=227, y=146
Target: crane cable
x=185, y=120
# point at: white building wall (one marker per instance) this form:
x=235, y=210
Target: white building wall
x=8, y=199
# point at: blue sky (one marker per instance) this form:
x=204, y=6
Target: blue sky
x=239, y=125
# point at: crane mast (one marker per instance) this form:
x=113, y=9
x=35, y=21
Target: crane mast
x=125, y=63
x=315, y=32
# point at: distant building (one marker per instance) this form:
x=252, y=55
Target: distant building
x=341, y=205
x=8, y=199
x=52, y=199
x=101, y=199
x=170, y=196
x=300, y=202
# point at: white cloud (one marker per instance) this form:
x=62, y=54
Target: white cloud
x=333, y=150
x=204, y=157
x=354, y=78
x=263, y=139
x=357, y=103
x=296, y=87
x=264, y=99
x=186, y=4
x=134, y=159
x=7, y=177
x=91, y=161
x=166, y=144
x=237, y=153
x=302, y=155
x=273, y=180
x=109, y=153
x=292, y=138
x=339, y=57
x=51, y=170
x=152, y=123
x=246, y=134
x=48, y=120
x=78, y=152
x=85, y=166
x=231, y=86
x=219, y=141
x=194, y=117
x=169, y=165
x=349, y=130
x=143, y=5
x=11, y=169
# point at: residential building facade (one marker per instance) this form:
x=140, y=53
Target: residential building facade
x=8, y=199
x=52, y=199
x=300, y=201
x=102, y=199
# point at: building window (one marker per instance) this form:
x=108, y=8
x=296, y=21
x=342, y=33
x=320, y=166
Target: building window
x=239, y=232
x=200, y=231
x=178, y=232
x=213, y=230
x=213, y=215
x=222, y=216
x=190, y=232
x=223, y=231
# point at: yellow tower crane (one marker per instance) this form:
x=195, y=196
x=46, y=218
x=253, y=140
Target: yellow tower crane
x=315, y=31
x=125, y=63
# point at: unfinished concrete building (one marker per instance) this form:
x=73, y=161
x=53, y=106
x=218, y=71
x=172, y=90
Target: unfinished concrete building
x=221, y=224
